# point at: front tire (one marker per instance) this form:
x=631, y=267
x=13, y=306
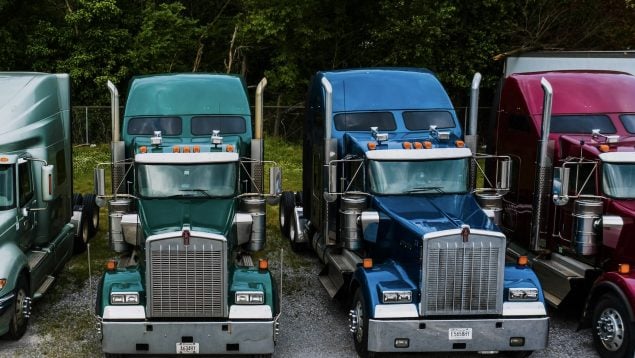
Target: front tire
x=612, y=329
x=285, y=211
x=91, y=214
x=19, y=319
x=360, y=324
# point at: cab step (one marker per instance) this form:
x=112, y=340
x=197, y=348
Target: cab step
x=556, y=275
x=35, y=258
x=44, y=287
x=338, y=270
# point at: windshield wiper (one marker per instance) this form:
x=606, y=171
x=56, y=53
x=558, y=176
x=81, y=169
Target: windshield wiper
x=202, y=191
x=423, y=189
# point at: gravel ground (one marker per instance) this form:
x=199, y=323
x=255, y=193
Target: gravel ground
x=312, y=325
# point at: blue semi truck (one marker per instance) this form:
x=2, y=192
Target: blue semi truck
x=389, y=205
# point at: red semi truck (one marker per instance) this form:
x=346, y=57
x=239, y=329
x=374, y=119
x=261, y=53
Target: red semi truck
x=569, y=123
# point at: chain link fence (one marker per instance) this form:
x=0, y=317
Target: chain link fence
x=92, y=124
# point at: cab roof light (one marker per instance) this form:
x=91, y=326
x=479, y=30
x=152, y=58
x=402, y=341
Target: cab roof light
x=111, y=265
x=624, y=269
x=176, y=149
x=418, y=145
x=459, y=144
x=427, y=144
x=4, y=159
x=186, y=149
x=604, y=148
x=522, y=261
x=367, y=263
x=196, y=149
x=407, y=145
x=372, y=145
x=143, y=149
x=229, y=148
x=263, y=264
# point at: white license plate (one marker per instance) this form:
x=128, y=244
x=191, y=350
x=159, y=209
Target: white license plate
x=187, y=348
x=460, y=333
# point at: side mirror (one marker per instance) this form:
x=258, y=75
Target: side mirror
x=504, y=174
x=275, y=180
x=48, y=183
x=560, y=186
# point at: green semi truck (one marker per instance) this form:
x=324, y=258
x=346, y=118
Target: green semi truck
x=187, y=209
x=41, y=221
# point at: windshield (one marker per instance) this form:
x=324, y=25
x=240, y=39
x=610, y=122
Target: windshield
x=619, y=180
x=187, y=180
x=6, y=187
x=419, y=177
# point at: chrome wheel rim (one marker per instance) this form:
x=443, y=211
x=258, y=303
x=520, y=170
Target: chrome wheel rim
x=610, y=329
x=359, y=323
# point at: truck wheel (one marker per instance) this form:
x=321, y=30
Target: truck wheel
x=19, y=319
x=285, y=209
x=612, y=329
x=359, y=323
x=92, y=214
x=77, y=199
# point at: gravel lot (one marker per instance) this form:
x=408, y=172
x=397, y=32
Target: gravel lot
x=312, y=325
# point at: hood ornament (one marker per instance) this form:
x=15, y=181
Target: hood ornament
x=465, y=232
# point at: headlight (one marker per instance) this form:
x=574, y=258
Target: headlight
x=523, y=294
x=249, y=298
x=397, y=296
x=124, y=298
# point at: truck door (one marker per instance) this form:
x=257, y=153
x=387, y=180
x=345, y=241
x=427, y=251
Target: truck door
x=26, y=198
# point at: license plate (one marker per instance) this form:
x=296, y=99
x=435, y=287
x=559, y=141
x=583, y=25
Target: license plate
x=460, y=333
x=187, y=348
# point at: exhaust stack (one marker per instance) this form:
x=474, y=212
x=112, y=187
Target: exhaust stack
x=471, y=138
x=117, y=147
x=257, y=148
x=543, y=169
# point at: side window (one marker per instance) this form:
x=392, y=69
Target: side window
x=519, y=123
x=25, y=183
x=582, y=179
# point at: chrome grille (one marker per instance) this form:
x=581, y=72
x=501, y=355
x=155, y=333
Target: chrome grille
x=463, y=277
x=186, y=280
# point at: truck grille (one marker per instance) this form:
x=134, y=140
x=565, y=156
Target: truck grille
x=187, y=280
x=461, y=278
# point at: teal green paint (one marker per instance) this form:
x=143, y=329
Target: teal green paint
x=253, y=279
x=202, y=214
x=121, y=280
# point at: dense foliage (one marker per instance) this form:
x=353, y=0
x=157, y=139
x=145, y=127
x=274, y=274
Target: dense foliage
x=288, y=40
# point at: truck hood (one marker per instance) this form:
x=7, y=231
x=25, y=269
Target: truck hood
x=423, y=214
x=208, y=215
x=622, y=207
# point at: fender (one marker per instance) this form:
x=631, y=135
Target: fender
x=13, y=262
x=246, y=279
x=128, y=279
x=521, y=276
x=622, y=286
x=388, y=274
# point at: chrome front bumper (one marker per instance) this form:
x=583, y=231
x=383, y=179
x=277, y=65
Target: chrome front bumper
x=433, y=335
x=242, y=333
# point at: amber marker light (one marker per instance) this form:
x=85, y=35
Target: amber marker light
x=418, y=145
x=3, y=281
x=427, y=144
x=604, y=148
x=407, y=145
x=367, y=263
x=176, y=149
x=372, y=145
x=186, y=149
x=4, y=159
x=522, y=261
x=143, y=149
x=229, y=148
x=459, y=144
x=111, y=265
x=196, y=149
x=624, y=268
x=263, y=264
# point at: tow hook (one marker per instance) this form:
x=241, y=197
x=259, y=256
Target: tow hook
x=353, y=321
x=26, y=307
